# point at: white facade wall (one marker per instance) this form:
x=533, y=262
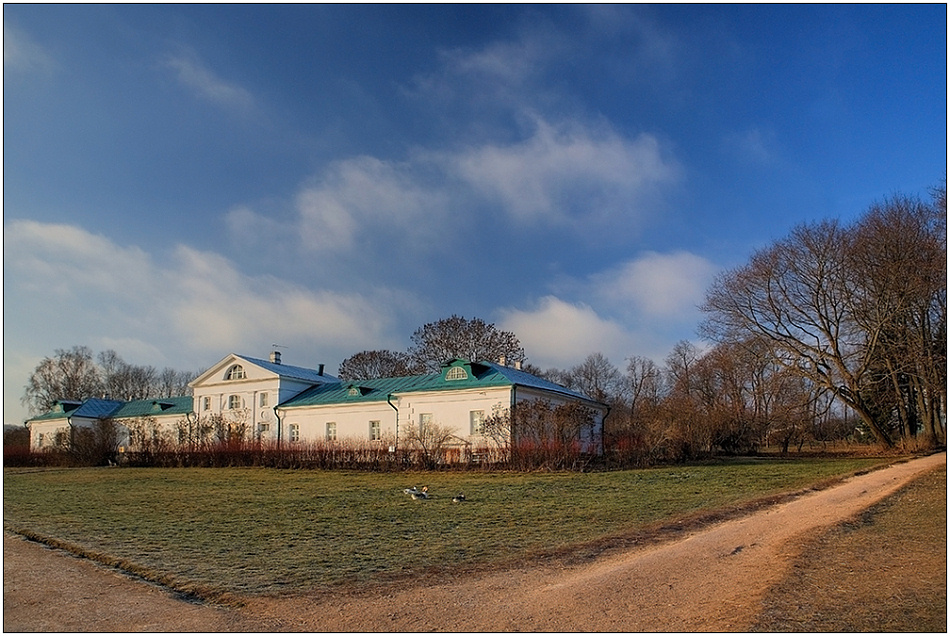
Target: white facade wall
x=44, y=434
x=256, y=399
x=453, y=409
x=450, y=409
x=256, y=396
x=592, y=440
x=352, y=422
x=166, y=424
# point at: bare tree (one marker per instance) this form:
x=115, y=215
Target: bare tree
x=430, y=439
x=688, y=429
x=74, y=375
x=383, y=363
x=899, y=248
x=124, y=381
x=458, y=337
x=840, y=306
x=173, y=383
x=68, y=375
x=597, y=378
x=540, y=422
x=96, y=445
x=148, y=438
x=644, y=381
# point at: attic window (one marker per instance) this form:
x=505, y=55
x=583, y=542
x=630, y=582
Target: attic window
x=236, y=372
x=456, y=373
x=353, y=392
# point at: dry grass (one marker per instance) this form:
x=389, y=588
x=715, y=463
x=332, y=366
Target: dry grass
x=214, y=533
x=885, y=571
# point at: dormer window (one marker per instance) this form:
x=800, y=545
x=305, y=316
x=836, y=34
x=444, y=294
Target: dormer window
x=236, y=372
x=456, y=373
x=353, y=392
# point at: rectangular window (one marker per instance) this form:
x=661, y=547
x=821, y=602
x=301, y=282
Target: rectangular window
x=295, y=432
x=235, y=402
x=477, y=420
x=263, y=399
x=40, y=440
x=206, y=404
x=374, y=433
x=331, y=431
x=425, y=420
x=263, y=427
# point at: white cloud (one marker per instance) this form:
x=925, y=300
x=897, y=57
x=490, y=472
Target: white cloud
x=568, y=170
x=64, y=261
x=562, y=334
x=207, y=85
x=507, y=62
x=658, y=287
x=248, y=228
x=504, y=64
x=754, y=145
x=22, y=54
x=365, y=199
x=219, y=308
x=504, y=74
x=65, y=286
x=640, y=307
x=647, y=47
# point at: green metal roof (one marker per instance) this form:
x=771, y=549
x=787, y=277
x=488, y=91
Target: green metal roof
x=159, y=406
x=477, y=375
x=61, y=410
x=96, y=408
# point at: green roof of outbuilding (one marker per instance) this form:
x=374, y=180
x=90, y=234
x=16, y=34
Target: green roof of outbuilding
x=478, y=375
x=96, y=408
x=61, y=410
x=181, y=405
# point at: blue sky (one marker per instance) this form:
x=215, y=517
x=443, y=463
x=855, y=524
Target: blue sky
x=185, y=181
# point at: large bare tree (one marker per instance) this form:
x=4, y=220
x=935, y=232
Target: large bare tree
x=598, y=378
x=834, y=304
x=459, y=337
x=73, y=374
x=70, y=374
x=381, y=363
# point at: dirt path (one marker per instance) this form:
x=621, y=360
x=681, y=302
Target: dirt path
x=713, y=580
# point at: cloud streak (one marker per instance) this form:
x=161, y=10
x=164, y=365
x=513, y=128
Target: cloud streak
x=65, y=280
x=207, y=85
x=22, y=54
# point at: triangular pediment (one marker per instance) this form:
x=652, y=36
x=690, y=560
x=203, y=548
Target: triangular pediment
x=232, y=368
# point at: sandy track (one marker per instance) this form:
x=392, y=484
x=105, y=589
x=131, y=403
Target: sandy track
x=711, y=580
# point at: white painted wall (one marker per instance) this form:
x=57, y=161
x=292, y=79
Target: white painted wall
x=448, y=408
x=591, y=441
x=43, y=433
x=212, y=395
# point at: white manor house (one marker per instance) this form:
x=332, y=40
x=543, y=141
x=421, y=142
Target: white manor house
x=278, y=402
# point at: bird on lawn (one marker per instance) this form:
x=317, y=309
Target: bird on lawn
x=418, y=494
x=458, y=498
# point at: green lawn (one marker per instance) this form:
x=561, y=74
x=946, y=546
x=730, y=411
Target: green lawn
x=263, y=531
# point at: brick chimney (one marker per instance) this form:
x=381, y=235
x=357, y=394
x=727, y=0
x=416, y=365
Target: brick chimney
x=275, y=357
